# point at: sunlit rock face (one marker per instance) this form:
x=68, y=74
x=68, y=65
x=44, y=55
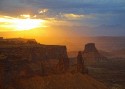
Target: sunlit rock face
x=91, y=55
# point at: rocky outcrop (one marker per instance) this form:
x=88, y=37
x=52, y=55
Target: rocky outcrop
x=30, y=59
x=80, y=62
x=23, y=58
x=90, y=47
x=91, y=55
x=50, y=57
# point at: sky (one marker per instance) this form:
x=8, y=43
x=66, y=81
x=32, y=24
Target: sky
x=64, y=17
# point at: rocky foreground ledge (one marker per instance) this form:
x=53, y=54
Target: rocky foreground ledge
x=63, y=81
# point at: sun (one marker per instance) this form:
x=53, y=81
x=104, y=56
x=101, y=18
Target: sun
x=27, y=24
x=24, y=22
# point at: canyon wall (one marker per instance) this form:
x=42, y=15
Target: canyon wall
x=47, y=58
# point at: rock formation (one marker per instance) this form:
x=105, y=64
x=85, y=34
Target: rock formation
x=90, y=47
x=54, y=56
x=26, y=58
x=80, y=62
x=91, y=55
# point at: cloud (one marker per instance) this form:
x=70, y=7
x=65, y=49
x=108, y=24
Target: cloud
x=92, y=13
x=71, y=16
x=25, y=16
x=43, y=11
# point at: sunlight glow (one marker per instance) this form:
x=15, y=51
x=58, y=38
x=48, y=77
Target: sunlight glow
x=25, y=23
x=25, y=16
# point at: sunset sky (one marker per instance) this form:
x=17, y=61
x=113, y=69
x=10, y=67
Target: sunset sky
x=62, y=17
